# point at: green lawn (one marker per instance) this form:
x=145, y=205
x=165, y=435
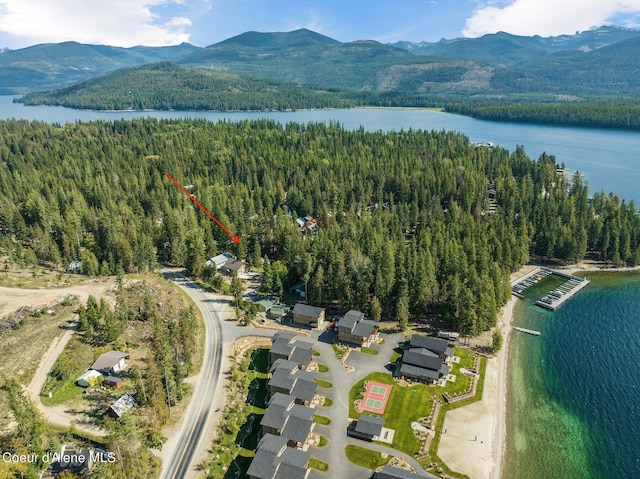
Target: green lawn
x=405, y=405
x=76, y=358
x=318, y=464
x=327, y=402
x=322, y=368
x=324, y=384
x=318, y=419
x=365, y=457
x=368, y=350
x=463, y=381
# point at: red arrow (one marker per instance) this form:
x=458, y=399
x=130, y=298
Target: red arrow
x=197, y=203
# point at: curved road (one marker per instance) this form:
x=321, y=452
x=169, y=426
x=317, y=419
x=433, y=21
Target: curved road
x=197, y=414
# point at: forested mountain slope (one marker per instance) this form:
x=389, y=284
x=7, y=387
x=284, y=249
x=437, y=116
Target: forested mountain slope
x=406, y=217
x=167, y=86
x=54, y=65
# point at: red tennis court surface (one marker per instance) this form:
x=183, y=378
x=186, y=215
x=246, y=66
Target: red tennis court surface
x=375, y=398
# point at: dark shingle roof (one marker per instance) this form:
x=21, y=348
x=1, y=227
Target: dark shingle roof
x=438, y=346
x=416, y=371
x=301, y=356
x=390, y=472
x=304, y=389
x=307, y=310
x=423, y=358
x=281, y=347
x=369, y=424
x=107, y=361
x=350, y=319
x=282, y=334
x=364, y=328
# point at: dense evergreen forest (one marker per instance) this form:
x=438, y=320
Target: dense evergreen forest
x=622, y=114
x=412, y=222
x=167, y=86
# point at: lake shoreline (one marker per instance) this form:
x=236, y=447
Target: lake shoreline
x=476, y=440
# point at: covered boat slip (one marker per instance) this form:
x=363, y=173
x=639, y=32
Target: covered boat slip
x=556, y=298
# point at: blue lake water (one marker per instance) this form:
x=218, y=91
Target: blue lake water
x=609, y=159
x=574, y=392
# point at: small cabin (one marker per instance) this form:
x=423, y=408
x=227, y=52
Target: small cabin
x=112, y=381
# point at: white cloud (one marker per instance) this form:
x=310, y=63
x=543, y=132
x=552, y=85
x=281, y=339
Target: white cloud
x=111, y=22
x=545, y=17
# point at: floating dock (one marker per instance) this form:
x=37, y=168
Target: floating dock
x=528, y=331
x=561, y=294
x=519, y=285
x=554, y=299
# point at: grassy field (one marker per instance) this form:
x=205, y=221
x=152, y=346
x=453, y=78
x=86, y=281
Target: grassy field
x=405, y=405
x=35, y=277
x=318, y=464
x=364, y=457
x=32, y=340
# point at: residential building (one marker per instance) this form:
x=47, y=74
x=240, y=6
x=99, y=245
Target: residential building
x=439, y=346
x=275, y=460
x=89, y=378
x=368, y=427
x=288, y=346
x=354, y=329
x=289, y=420
x=310, y=316
x=426, y=359
x=288, y=378
x=219, y=260
x=110, y=362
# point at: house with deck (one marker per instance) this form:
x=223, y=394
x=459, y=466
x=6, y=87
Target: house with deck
x=354, y=329
x=288, y=346
x=288, y=378
x=289, y=420
x=425, y=359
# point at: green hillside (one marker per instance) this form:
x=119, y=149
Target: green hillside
x=166, y=86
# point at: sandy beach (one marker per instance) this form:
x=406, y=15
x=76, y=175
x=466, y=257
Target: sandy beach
x=474, y=440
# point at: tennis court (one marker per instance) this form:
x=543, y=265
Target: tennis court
x=375, y=398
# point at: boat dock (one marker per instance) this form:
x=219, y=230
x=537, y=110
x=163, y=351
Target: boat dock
x=528, y=331
x=567, y=290
x=519, y=285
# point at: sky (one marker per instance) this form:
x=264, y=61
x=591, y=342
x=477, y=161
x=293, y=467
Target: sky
x=128, y=23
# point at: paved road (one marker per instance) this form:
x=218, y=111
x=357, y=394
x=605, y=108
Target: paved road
x=197, y=415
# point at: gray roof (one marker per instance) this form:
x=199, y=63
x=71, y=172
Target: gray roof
x=304, y=389
x=297, y=429
x=364, y=328
x=390, y=472
x=369, y=424
x=439, y=346
x=275, y=461
x=416, y=371
x=265, y=462
x=423, y=358
x=350, y=319
x=285, y=471
x=282, y=335
x=301, y=356
x=284, y=364
x=234, y=264
x=300, y=384
x=281, y=347
x=307, y=310
x=107, y=361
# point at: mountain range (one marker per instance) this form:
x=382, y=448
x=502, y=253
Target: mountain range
x=604, y=62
